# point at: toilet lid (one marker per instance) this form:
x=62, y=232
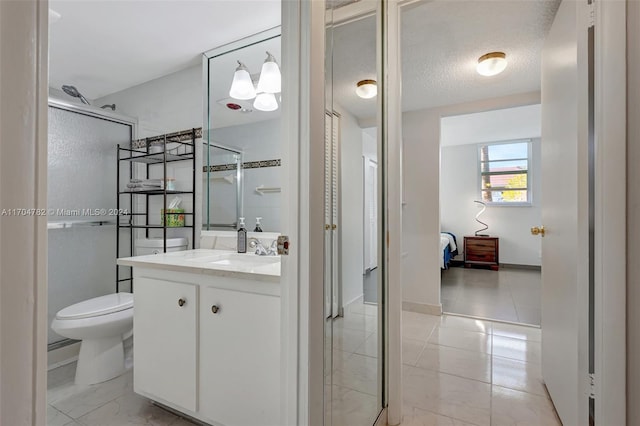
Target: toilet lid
x=97, y=306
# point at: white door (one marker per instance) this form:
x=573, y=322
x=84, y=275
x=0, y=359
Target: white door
x=164, y=341
x=241, y=329
x=562, y=187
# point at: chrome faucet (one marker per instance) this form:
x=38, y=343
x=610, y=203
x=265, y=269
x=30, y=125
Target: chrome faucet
x=256, y=244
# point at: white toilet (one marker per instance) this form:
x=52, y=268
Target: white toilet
x=103, y=322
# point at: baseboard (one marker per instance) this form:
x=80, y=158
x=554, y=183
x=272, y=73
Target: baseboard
x=422, y=308
x=62, y=356
x=516, y=266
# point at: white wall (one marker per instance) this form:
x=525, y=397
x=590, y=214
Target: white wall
x=351, y=220
x=421, y=187
x=167, y=104
x=490, y=126
x=459, y=183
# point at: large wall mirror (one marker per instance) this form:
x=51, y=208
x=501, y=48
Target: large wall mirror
x=241, y=161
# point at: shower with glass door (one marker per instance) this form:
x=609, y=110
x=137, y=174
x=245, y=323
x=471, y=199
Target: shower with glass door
x=81, y=191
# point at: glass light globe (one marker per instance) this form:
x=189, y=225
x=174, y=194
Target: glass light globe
x=367, y=89
x=270, y=77
x=491, y=64
x=265, y=102
x=242, y=86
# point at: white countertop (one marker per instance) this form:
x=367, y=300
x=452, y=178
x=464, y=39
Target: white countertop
x=211, y=262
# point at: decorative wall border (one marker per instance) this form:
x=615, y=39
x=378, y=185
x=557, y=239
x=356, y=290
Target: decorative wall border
x=181, y=136
x=247, y=165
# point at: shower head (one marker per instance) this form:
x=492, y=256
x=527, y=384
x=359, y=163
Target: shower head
x=72, y=91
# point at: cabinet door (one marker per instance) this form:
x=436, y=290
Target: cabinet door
x=164, y=335
x=239, y=358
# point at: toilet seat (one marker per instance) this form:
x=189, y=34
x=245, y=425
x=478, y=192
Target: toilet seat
x=98, y=306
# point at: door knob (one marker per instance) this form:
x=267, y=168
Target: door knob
x=334, y=226
x=215, y=309
x=327, y=227
x=181, y=302
x=537, y=231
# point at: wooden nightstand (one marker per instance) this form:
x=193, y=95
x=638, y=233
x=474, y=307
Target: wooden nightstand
x=481, y=251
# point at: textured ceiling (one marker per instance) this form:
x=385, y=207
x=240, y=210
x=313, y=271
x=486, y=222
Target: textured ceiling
x=104, y=46
x=441, y=42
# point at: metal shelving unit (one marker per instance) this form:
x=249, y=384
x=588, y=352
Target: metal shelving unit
x=137, y=152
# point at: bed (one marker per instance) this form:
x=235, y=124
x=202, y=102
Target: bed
x=448, y=249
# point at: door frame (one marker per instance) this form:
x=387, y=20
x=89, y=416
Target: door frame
x=23, y=184
x=302, y=294
x=610, y=211
x=610, y=171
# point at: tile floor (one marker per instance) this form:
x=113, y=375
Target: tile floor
x=354, y=371
x=457, y=371
x=112, y=403
x=462, y=372
x=506, y=295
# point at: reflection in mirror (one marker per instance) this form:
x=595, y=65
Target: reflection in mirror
x=222, y=201
x=243, y=114
x=353, y=281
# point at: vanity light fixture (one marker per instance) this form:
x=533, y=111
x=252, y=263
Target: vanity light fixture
x=367, y=89
x=265, y=102
x=270, y=77
x=492, y=64
x=242, y=85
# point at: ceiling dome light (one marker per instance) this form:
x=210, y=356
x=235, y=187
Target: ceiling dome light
x=492, y=63
x=270, y=78
x=242, y=86
x=367, y=89
x=265, y=102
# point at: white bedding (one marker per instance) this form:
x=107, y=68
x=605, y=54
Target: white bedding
x=444, y=242
x=452, y=242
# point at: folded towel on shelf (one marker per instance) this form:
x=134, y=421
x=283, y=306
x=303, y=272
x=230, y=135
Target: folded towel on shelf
x=145, y=183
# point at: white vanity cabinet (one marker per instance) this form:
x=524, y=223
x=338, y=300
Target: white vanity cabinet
x=165, y=341
x=239, y=348
x=208, y=345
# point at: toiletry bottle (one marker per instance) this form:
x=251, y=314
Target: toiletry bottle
x=242, y=237
x=258, y=225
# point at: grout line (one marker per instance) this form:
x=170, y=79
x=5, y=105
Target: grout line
x=439, y=414
x=491, y=383
x=452, y=375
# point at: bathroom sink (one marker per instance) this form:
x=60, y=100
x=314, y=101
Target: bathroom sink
x=235, y=259
x=244, y=259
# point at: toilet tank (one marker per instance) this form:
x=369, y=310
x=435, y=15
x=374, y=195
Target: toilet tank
x=155, y=245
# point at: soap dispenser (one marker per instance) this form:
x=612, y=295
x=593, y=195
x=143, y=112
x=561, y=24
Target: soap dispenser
x=258, y=225
x=242, y=237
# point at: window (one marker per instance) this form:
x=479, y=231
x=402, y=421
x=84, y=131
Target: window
x=504, y=172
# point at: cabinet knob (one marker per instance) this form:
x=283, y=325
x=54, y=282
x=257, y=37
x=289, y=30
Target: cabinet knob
x=181, y=302
x=215, y=309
